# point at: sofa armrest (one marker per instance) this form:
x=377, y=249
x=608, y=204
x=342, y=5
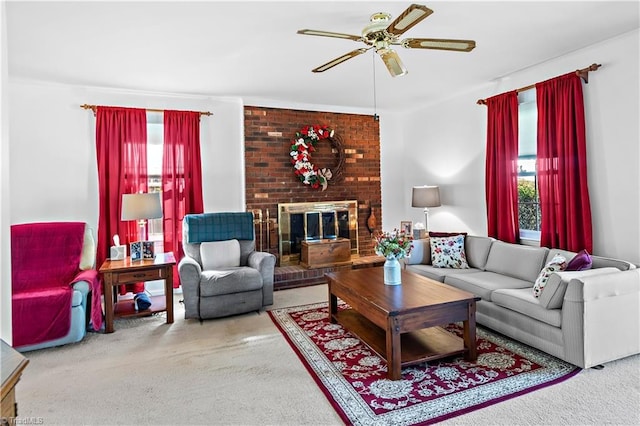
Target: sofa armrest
x=420, y=252
x=265, y=263
x=83, y=287
x=553, y=293
x=190, y=271
x=600, y=318
x=593, y=287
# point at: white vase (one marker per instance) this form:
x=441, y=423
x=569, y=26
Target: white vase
x=392, y=275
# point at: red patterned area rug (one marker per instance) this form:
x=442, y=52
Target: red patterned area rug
x=354, y=377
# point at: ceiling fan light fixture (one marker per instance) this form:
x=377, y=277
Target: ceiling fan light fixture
x=394, y=64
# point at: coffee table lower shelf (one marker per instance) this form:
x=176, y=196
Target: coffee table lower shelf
x=418, y=346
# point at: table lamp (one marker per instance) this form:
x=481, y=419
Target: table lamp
x=140, y=207
x=425, y=196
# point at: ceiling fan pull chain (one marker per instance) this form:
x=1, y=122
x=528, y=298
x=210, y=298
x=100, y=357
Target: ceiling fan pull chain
x=375, y=104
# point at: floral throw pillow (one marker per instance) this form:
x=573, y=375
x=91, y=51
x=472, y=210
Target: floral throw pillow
x=558, y=263
x=448, y=252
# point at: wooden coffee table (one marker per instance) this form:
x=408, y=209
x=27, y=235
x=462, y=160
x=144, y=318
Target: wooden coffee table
x=400, y=322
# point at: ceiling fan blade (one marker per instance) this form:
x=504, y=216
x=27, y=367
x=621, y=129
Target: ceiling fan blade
x=440, y=44
x=394, y=64
x=340, y=59
x=410, y=17
x=330, y=34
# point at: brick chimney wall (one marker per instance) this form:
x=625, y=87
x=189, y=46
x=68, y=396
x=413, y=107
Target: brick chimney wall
x=269, y=172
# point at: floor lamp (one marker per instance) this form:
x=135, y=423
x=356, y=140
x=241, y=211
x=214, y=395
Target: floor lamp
x=425, y=196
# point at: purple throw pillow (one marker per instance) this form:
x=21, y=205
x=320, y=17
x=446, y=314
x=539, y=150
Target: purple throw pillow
x=580, y=262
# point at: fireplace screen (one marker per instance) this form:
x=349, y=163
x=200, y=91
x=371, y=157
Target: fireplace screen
x=300, y=222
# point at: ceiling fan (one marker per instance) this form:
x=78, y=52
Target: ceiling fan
x=381, y=34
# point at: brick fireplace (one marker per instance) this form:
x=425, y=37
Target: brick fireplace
x=270, y=178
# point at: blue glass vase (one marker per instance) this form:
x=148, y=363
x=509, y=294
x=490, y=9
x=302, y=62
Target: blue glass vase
x=392, y=275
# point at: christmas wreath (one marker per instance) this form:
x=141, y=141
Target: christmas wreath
x=302, y=147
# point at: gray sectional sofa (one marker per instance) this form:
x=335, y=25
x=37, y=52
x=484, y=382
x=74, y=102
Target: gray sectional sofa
x=586, y=318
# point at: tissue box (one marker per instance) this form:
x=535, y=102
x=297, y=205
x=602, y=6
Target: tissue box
x=118, y=252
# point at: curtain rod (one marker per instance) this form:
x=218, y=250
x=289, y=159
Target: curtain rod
x=95, y=107
x=583, y=73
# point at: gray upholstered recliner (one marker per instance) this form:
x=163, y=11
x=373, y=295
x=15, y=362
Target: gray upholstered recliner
x=222, y=274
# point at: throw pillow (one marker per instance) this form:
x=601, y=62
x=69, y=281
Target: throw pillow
x=448, y=252
x=220, y=254
x=558, y=263
x=580, y=262
x=88, y=257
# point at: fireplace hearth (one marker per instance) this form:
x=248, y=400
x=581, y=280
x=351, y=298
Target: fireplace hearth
x=314, y=221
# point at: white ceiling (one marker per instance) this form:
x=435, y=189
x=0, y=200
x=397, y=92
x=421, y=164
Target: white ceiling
x=251, y=49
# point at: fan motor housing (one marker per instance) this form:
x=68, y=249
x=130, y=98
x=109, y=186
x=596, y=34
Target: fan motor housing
x=376, y=30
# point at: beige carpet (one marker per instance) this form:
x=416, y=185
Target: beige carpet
x=241, y=371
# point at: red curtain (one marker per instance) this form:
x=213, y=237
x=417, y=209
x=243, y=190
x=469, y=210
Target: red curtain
x=181, y=177
x=562, y=165
x=121, y=146
x=501, y=173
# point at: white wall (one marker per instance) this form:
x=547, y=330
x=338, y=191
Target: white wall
x=444, y=144
x=5, y=243
x=53, y=149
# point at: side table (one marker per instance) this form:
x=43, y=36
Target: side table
x=13, y=363
x=116, y=272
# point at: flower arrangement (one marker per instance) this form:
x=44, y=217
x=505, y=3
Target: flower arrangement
x=301, y=148
x=393, y=244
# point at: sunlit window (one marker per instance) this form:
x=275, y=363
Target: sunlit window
x=528, y=199
x=155, y=140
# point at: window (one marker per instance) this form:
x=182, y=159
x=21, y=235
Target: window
x=155, y=139
x=155, y=142
x=528, y=199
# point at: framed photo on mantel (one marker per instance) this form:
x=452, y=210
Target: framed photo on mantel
x=406, y=226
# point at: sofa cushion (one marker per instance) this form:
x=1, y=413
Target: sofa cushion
x=438, y=274
x=420, y=252
x=484, y=283
x=516, y=260
x=220, y=254
x=448, y=252
x=580, y=262
x=553, y=294
x=558, y=263
x=523, y=301
x=477, y=250
x=229, y=280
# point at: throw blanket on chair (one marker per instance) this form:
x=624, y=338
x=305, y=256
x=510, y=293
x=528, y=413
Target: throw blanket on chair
x=45, y=260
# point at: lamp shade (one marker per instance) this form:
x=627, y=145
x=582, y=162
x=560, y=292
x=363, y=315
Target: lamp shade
x=425, y=196
x=141, y=206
